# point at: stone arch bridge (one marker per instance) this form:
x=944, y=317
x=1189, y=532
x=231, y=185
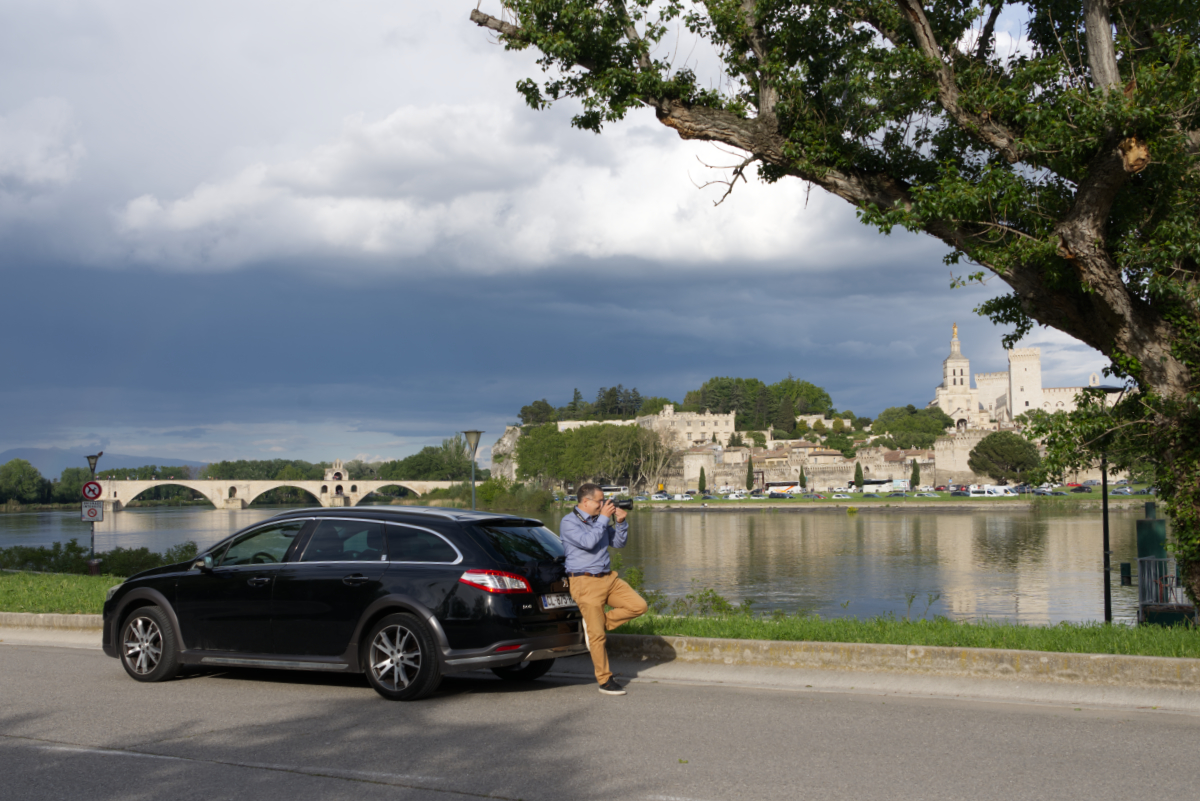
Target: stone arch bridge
x=235, y=494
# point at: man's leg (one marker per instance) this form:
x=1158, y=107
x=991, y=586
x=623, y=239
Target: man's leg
x=589, y=593
x=626, y=605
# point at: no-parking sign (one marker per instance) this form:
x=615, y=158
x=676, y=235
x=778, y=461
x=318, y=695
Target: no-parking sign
x=92, y=490
x=92, y=512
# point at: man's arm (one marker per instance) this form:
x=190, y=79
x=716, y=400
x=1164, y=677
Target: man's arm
x=583, y=535
x=620, y=534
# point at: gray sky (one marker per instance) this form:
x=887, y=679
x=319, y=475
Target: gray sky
x=313, y=230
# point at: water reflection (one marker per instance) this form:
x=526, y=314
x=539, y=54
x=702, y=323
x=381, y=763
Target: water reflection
x=1031, y=567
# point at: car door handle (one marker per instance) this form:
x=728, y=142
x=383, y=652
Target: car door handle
x=259, y=581
x=355, y=579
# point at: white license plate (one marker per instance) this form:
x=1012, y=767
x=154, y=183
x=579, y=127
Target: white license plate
x=559, y=600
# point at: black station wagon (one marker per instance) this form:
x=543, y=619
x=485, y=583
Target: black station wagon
x=404, y=595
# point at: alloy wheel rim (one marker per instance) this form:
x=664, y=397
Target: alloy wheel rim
x=143, y=645
x=395, y=657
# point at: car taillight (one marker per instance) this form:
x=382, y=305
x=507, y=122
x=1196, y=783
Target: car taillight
x=496, y=581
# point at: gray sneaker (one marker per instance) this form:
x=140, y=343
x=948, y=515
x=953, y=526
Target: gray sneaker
x=611, y=687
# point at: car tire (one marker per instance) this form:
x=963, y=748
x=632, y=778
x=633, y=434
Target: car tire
x=148, y=645
x=400, y=659
x=524, y=671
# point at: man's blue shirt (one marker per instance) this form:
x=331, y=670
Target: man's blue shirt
x=587, y=540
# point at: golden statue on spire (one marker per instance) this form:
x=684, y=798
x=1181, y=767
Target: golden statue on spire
x=956, y=330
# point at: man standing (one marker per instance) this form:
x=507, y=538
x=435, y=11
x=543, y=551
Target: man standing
x=587, y=535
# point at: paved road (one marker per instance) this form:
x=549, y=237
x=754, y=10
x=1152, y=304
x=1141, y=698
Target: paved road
x=72, y=725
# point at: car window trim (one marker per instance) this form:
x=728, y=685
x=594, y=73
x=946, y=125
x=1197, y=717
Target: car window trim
x=299, y=560
x=253, y=531
x=453, y=547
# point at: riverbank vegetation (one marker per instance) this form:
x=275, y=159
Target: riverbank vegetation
x=71, y=557
x=54, y=593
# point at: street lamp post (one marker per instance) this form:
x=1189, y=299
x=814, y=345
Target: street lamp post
x=1107, y=550
x=473, y=441
x=92, y=466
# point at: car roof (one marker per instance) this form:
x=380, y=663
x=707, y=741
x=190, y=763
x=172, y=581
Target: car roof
x=405, y=513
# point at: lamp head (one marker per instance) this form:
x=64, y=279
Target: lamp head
x=92, y=461
x=473, y=440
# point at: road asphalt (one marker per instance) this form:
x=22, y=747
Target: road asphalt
x=75, y=726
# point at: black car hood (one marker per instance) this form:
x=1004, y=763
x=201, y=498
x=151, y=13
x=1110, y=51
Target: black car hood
x=178, y=567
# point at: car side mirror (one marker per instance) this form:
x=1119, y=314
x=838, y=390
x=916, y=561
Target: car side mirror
x=205, y=563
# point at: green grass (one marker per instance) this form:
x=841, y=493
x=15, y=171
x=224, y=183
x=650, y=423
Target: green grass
x=1078, y=638
x=61, y=593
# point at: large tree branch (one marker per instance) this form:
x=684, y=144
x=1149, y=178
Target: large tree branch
x=1101, y=53
x=982, y=126
x=989, y=28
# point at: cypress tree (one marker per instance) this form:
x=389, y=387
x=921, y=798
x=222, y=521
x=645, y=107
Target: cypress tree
x=803, y=479
x=914, y=480
x=702, y=486
x=858, y=476
x=749, y=473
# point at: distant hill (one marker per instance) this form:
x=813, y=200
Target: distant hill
x=51, y=461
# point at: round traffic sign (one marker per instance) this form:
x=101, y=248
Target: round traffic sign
x=92, y=512
x=92, y=490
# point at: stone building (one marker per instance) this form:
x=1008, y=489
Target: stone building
x=998, y=398
x=685, y=429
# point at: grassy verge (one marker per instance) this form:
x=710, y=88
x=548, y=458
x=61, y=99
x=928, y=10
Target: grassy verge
x=60, y=593
x=1075, y=638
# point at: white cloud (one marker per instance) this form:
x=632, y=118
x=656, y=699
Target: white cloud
x=479, y=188
x=38, y=149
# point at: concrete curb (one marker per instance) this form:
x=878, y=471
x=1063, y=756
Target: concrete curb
x=1102, y=670
x=1097, y=670
x=27, y=620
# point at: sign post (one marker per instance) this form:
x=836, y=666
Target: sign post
x=93, y=509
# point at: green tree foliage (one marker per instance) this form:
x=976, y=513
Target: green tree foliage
x=910, y=427
x=70, y=484
x=803, y=479
x=758, y=438
x=626, y=454
x=858, y=475
x=451, y=461
x=838, y=425
x=750, y=473
x=1005, y=457
x=654, y=405
x=1070, y=171
x=257, y=470
x=841, y=442
x=757, y=405
x=914, y=479
x=20, y=481
x=819, y=426
x=538, y=412
x=801, y=429
x=736, y=441
x=702, y=485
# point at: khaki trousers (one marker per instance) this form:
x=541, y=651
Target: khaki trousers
x=592, y=594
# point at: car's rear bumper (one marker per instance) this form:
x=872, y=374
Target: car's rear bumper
x=529, y=650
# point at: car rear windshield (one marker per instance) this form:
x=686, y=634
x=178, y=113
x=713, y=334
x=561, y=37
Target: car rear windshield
x=520, y=542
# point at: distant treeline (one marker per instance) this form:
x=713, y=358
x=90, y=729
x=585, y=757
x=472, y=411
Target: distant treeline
x=758, y=406
x=21, y=482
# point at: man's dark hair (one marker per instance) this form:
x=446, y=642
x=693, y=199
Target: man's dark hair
x=586, y=491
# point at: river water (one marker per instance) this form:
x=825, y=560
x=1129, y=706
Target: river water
x=1030, y=567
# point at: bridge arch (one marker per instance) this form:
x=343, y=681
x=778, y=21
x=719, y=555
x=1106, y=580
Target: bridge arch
x=147, y=486
x=304, y=486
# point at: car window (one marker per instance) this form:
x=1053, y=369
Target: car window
x=263, y=546
x=521, y=543
x=345, y=541
x=417, y=545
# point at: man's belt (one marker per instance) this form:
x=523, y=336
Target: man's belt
x=593, y=575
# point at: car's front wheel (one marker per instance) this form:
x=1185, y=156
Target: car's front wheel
x=148, y=645
x=401, y=664
x=524, y=671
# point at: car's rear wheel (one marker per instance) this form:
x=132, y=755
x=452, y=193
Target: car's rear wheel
x=400, y=660
x=524, y=671
x=148, y=645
